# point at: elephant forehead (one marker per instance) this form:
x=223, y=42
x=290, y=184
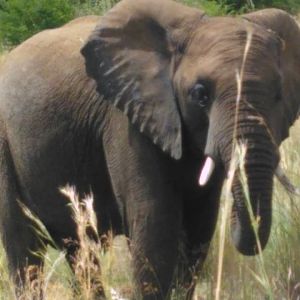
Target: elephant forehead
x=221, y=35
x=217, y=49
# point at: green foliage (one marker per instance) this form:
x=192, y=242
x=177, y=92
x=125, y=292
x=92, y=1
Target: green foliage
x=292, y=6
x=21, y=19
x=211, y=7
x=222, y=7
x=93, y=7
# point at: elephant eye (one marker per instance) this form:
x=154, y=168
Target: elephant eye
x=199, y=94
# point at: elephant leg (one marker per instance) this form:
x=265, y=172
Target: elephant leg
x=144, y=187
x=154, y=244
x=24, y=251
x=23, y=246
x=201, y=207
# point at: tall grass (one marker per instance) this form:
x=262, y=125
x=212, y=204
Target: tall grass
x=241, y=276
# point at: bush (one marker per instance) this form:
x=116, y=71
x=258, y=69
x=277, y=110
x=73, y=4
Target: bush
x=222, y=7
x=246, y=5
x=212, y=8
x=21, y=19
x=93, y=7
x=292, y=6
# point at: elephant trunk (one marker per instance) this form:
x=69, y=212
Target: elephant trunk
x=252, y=185
x=252, y=206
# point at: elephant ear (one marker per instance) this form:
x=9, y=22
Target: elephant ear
x=131, y=54
x=286, y=28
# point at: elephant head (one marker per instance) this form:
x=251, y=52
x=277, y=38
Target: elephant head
x=172, y=70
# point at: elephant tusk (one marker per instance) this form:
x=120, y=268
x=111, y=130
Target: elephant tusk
x=285, y=181
x=206, y=171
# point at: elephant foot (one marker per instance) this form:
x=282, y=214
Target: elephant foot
x=29, y=283
x=190, y=264
x=86, y=269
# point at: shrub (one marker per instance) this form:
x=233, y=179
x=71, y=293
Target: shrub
x=292, y=6
x=21, y=19
x=222, y=7
x=92, y=7
x=211, y=7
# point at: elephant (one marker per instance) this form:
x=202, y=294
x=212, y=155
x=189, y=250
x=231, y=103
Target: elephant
x=132, y=106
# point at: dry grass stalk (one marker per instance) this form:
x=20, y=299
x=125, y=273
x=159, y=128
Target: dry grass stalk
x=232, y=168
x=86, y=263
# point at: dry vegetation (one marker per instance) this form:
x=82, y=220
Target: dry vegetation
x=274, y=275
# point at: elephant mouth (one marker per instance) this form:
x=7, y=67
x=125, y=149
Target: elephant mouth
x=251, y=180
x=208, y=168
x=251, y=217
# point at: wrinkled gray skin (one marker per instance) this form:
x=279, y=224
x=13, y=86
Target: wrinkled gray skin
x=136, y=130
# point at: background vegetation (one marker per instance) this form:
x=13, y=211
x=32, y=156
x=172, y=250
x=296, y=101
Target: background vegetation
x=241, y=6
x=20, y=19
x=274, y=275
